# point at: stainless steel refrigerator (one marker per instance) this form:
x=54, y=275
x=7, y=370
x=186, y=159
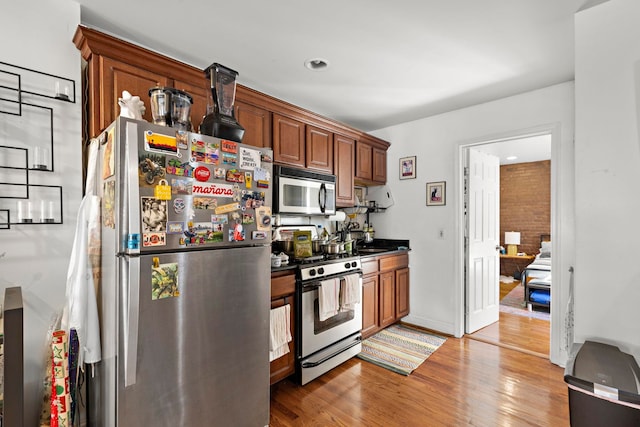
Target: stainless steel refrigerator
x=185, y=280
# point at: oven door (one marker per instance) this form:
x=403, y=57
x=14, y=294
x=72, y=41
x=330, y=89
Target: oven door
x=316, y=334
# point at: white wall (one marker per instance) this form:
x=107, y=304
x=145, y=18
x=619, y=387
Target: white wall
x=608, y=174
x=435, y=276
x=38, y=34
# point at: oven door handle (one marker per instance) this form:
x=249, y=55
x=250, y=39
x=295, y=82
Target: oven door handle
x=316, y=285
x=357, y=341
x=310, y=287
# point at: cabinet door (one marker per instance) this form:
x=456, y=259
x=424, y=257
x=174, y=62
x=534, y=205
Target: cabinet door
x=343, y=168
x=200, y=96
x=402, y=293
x=319, y=149
x=288, y=141
x=387, y=299
x=379, y=165
x=370, y=311
x=117, y=77
x=256, y=122
x=284, y=366
x=364, y=159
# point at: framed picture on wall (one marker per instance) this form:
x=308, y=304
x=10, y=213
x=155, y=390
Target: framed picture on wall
x=436, y=193
x=408, y=167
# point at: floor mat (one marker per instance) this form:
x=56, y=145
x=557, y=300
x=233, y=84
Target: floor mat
x=514, y=303
x=400, y=348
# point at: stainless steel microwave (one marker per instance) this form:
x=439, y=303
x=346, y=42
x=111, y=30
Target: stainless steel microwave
x=301, y=192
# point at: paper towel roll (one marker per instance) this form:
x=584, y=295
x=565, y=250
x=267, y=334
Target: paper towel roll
x=339, y=216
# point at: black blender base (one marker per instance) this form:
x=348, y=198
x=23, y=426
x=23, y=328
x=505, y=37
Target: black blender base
x=228, y=131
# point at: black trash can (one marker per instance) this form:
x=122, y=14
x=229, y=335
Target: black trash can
x=603, y=386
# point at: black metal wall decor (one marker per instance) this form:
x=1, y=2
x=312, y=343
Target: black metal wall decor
x=15, y=182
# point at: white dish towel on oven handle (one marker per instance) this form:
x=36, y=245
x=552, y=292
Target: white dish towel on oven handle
x=350, y=292
x=328, y=298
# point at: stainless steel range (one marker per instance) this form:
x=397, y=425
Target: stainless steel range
x=326, y=342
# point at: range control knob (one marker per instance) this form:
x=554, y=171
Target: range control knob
x=312, y=272
x=321, y=270
x=354, y=264
x=347, y=265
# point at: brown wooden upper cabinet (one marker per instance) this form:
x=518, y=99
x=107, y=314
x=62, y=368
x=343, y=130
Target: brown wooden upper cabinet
x=117, y=77
x=298, y=137
x=256, y=122
x=343, y=164
x=364, y=161
x=288, y=141
x=114, y=65
x=319, y=149
x=302, y=145
x=371, y=161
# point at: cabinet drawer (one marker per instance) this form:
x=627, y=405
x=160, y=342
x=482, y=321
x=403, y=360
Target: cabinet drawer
x=370, y=266
x=394, y=262
x=283, y=285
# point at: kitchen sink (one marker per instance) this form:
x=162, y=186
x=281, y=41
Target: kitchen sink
x=374, y=250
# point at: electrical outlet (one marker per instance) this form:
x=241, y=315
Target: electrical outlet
x=441, y=234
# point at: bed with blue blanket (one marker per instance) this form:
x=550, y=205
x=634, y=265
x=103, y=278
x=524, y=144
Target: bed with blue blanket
x=536, y=277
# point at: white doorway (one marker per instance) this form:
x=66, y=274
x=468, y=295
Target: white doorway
x=551, y=133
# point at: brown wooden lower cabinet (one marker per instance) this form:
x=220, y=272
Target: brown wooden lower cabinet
x=283, y=288
x=370, y=313
x=402, y=292
x=387, y=299
x=385, y=291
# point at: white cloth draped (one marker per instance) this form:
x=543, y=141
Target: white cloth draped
x=328, y=298
x=81, y=309
x=350, y=292
x=279, y=332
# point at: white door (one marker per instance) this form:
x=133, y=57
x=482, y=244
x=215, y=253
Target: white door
x=483, y=229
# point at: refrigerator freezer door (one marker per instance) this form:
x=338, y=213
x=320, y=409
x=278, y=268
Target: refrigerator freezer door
x=202, y=340
x=188, y=192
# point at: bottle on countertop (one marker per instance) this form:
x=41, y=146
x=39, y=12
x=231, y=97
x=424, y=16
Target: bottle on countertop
x=323, y=234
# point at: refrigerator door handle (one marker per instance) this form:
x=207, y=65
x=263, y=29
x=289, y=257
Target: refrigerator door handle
x=131, y=292
x=131, y=210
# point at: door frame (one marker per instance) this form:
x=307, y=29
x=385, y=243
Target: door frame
x=556, y=230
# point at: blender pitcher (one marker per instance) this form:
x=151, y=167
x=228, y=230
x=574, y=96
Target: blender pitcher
x=181, y=109
x=160, y=100
x=221, y=122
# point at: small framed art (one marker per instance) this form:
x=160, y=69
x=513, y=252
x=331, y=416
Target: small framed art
x=408, y=167
x=436, y=193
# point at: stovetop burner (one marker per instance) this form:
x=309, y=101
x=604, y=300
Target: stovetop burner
x=321, y=257
x=309, y=260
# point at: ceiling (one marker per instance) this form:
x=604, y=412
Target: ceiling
x=389, y=62
x=520, y=150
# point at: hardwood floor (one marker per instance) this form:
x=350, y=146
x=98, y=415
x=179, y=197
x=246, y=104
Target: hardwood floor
x=499, y=376
x=521, y=333
x=529, y=335
x=465, y=382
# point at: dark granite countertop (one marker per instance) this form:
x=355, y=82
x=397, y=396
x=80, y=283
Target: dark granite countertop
x=382, y=246
x=375, y=248
x=284, y=267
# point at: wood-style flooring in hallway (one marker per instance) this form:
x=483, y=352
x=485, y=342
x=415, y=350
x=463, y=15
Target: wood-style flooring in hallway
x=466, y=382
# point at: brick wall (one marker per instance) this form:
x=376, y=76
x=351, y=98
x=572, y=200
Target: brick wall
x=525, y=203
